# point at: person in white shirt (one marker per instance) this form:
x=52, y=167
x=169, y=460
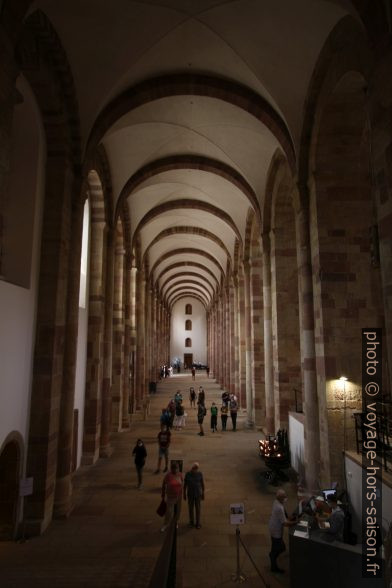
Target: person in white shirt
x=277, y=522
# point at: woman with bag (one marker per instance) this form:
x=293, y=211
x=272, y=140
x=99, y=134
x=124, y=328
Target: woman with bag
x=172, y=493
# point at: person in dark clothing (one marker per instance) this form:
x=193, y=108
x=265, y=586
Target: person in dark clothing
x=201, y=413
x=194, y=492
x=140, y=453
x=233, y=411
x=225, y=398
x=192, y=397
x=214, y=417
x=224, y=415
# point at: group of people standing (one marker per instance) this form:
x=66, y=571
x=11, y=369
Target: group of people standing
x=174, y=486
x=229, y=406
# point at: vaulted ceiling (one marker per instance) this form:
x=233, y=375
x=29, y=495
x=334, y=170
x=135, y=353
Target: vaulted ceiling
x=191, y=99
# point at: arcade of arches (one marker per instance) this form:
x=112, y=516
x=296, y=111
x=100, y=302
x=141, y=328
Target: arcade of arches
x=157, y=154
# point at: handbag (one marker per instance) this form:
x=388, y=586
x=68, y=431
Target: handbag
x=161, y=510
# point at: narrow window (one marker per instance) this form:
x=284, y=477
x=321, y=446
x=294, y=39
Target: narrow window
x=188, y=309
x=188, y=325
x=188, y=342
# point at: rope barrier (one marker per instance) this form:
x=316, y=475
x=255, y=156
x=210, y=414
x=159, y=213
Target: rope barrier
x=252, y=561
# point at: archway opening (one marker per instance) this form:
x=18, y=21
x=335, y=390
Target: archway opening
x=9, y=474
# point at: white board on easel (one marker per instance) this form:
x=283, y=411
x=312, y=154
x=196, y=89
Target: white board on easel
x=237, y=513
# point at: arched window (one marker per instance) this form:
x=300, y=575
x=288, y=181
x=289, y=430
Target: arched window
x=188, y=325
x=188, y=309
x=188, y=342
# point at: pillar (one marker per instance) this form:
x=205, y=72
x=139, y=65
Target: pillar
x=268, y=351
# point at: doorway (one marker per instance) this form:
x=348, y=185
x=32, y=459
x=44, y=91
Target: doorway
x=188, y=360
x=9, y=466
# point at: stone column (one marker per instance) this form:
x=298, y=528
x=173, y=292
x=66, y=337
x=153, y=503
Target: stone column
x=268, y=352
x=236, y=337
x=248, y=346
x=147, y=339
x=227, y=340
x=96, y=317
x=232, y=335
x=141, y=289
x=242, y=337
x=257, y=326
x=49, y=345
x=308, y=353
x=63, y=492
x=118, y=336
x=220, y=346
x=105, y=446
x=125, y=419
x=133, y=339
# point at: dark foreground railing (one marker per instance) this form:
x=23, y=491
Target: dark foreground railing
x=164, y=574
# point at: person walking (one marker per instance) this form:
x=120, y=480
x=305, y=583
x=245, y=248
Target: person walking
x=193, y=371
x=224, y=414
x=214, y=417
x=179, y=418
x=277, y=522
x=163, y=438
x=201, y=413
x=140, y=453
x=172, y=493
x=233, y=411
x=208, y=371
x=194, y=492
x=192, y=397
x=201, y=396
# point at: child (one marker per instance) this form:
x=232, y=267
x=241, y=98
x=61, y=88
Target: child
x=140, y=453
x=214, y=417
x=224, y=415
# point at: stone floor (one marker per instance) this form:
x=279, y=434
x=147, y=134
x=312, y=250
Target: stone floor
x=112, y=538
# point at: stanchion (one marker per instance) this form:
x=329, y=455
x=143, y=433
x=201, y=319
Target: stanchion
x=238, y=577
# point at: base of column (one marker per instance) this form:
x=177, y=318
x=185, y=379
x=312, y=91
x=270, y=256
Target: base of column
x=249, y=424
x=105, y=451
x=89, y=458
x=63, y=505
x=32, y=528
x=126, y=423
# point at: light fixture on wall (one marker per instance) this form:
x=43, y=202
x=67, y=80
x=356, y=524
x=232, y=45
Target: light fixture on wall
x=343, y=381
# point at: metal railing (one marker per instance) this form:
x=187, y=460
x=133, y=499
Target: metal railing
x=164, y=574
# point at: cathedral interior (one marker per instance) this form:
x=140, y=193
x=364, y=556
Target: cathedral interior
x=190, y=181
